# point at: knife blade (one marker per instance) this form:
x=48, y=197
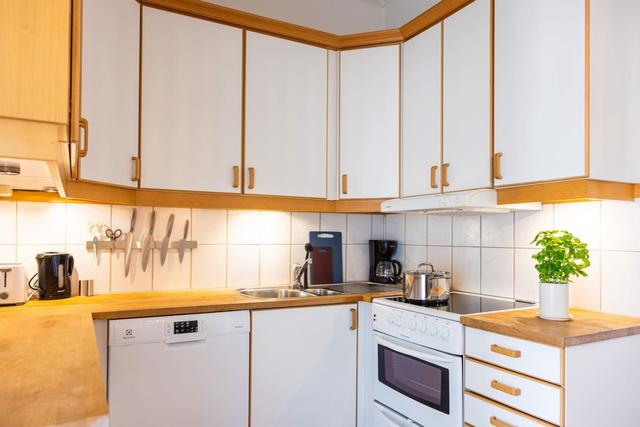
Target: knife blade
x=147, y=242
x=165, y=242
x=95, y=249
x=183, y=242
x=129, y=243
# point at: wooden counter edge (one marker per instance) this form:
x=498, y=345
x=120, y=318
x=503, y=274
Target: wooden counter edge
x=480, y=321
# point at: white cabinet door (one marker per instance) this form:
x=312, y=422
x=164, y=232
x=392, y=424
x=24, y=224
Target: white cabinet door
x=369, y=122
x=467, y=98
x=303, y=367
x=421, y=81
x=540, y=89
x=110, y=69
x=286, y=117
x=191, y=103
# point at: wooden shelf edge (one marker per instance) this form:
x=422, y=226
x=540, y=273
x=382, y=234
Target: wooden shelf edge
x=578, y=190
x=432, y=16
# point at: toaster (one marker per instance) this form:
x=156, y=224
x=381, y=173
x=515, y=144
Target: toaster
x=13, y=284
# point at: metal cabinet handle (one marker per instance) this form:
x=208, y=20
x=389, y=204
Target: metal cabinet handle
x=498, y=423
x=83, y=149
x=252, y=178
x=513, y=391
x=136, y=169
x=445, y=179
x=434, y=170
x=354, y=320
x=236, y=176
x=505, y=351
x=344, y=184
x=497, y=170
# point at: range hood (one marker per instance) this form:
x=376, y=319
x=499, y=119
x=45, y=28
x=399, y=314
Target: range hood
x=466, y=202
x=28, y=175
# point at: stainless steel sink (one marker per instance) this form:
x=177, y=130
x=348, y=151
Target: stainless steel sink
x=322, y=292
x=281, y=293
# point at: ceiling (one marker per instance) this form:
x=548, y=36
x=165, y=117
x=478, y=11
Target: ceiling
x=335, y=16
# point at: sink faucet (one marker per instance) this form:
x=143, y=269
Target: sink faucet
x=299, y=270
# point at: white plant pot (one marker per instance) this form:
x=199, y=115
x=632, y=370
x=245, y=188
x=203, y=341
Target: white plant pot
x=554, y=301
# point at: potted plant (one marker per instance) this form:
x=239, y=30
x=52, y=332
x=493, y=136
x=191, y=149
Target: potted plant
x=562, y=256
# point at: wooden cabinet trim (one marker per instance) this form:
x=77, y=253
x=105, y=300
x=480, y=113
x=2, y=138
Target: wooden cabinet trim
x=249, y=21
x=567, y=191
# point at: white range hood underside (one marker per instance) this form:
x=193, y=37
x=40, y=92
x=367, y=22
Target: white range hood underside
x=466, y=202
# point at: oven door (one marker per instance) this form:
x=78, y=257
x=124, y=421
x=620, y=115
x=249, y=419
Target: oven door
x=422, y=384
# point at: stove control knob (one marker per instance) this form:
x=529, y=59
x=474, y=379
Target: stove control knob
x=423, y=326
x=444, y=332
x=433, y=329
x=414, y=324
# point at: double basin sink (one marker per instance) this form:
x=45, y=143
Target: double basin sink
x=329, y=290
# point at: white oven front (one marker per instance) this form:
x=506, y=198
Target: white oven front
x=422, y=384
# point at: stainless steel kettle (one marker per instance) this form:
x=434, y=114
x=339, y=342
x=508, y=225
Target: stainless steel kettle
x=427, y=285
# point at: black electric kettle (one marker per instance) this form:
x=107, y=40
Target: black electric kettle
x=54, y=275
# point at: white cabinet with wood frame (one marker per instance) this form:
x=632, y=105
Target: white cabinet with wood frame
x=369, y=122
x=539, y=90
x=421, y=113
x=466, y=103
x=110, y=86
x=286, y=118
x=191, y=121
x=303, y=366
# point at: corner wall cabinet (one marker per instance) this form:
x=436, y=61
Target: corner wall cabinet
x=303, y=366
x=286, y=118
x=369, y=122
x=466, y=147
x=421, y=113
x=191, y=103
x=110, y=83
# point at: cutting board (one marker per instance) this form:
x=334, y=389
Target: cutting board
x=327, y=257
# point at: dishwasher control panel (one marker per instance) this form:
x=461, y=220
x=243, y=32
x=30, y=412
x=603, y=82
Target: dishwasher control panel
x=185, y=327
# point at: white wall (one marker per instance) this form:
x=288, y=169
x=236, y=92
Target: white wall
x=236, y=248
x=491, y=254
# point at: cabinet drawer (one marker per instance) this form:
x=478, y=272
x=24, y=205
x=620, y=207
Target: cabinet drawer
x=531, y=396
x=530, y=358
x=481, y=412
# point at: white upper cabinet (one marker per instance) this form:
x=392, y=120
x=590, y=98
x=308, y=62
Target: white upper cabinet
x=286, y=118
x=191, y=103
x=110, y=69
x=369, y=122
x=421, y=132
x=540, y=89
x=467, y=98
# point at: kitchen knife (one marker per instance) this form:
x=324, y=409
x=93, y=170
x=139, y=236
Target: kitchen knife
x=95, y=249
x=129, y=243
x=147, y=242
x=183, y=242
x=165, y=242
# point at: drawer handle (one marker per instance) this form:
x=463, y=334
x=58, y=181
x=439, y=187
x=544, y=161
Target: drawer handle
x=505, y=351
x=513, y=391
x=344, y=184
x=236, y=177
x=498, y=423
x=354, y=320
x=497, y=169
x=252, y=178
x=445, y=178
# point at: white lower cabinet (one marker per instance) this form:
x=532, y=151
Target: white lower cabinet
x=303, y=367
x=481, y=412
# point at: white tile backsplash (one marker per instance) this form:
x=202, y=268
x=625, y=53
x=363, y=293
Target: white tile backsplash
x=489, y=255
x=466, y=230
x=358, y=229
x=8, y=223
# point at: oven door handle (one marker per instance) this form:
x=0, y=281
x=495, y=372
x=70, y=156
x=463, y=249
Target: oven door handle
x=427, y=357
x=389, y=417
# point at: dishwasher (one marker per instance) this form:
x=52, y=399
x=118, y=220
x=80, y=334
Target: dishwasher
x=190, y=370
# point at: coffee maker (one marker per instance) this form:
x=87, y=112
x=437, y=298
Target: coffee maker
x=382, y=268
x=54, y=275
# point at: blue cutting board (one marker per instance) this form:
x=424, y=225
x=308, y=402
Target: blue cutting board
x=333, y=240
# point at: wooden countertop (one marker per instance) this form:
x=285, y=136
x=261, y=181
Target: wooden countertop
x=584, y=327
x=50, y=371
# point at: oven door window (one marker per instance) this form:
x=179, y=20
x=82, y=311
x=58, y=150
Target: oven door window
x=418, y=379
